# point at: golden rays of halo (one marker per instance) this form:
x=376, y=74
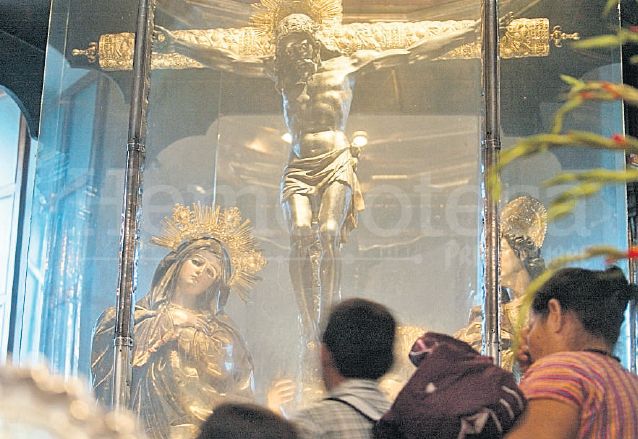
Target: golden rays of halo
x=268, y=13
x=227, y=227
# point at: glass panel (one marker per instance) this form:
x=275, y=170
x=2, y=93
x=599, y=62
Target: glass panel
x=82, y=144
x=532, y=91
x=9, y=150
x=9, y=132
x=6, y=266
x=6, y=215
x=219, y=138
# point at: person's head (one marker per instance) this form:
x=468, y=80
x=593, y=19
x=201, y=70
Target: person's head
x=523, y=226
x=359, y=336
x=199, y=267
x=246, y=421
x=297, y=50
x=520, y=252
x=595, y=299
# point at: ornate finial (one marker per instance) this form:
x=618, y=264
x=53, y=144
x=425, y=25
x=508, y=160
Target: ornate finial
x=90, y=52
x=228, y=228
x=558, y=36
x=525, y=216
x=269, y=13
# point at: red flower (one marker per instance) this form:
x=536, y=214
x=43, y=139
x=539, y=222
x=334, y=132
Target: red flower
x=632, y=253
x=619, y=139
x=612, y=88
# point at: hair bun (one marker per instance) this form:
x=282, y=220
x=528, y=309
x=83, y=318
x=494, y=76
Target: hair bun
x=615, y=274
x=614, y=271
x=626, y=291
x=631, y=293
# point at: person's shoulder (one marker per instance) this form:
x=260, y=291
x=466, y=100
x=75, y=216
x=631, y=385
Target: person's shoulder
x=306, y=410
x=578, y=357
x=313, y=420
x=562, y=356
x=317, y=406
x=320, y=411
x=550, y=364
x=305, y=422
x=585, y=365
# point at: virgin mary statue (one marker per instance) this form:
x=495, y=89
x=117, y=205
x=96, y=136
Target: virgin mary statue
x=188, y=354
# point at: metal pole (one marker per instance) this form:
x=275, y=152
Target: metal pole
x=633, y=320
x=135, y=154
x=632, y=218
x=491, y=149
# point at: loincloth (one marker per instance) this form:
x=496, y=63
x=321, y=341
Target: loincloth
x=311, y=176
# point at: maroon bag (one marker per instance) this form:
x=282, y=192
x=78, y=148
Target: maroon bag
x=455, y=393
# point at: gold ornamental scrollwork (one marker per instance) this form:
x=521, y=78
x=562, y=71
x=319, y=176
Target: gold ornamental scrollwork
x=524, y=37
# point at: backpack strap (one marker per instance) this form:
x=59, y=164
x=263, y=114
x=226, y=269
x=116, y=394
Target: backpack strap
x=358, y=405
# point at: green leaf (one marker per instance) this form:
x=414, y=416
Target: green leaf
x=599, y=42
x=573, y=82
x=611, y=4
x=567, y=107
x=563, y=178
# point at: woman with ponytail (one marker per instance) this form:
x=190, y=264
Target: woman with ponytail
x=575, y=386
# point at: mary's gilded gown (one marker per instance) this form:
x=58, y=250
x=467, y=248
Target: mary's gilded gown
x=180, y=373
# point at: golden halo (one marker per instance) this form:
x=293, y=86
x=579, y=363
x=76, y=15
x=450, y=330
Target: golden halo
x=227, y=227
x=525, y=216
x=268, y=13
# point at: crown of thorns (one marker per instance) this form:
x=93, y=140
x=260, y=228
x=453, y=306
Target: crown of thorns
x=295, y=23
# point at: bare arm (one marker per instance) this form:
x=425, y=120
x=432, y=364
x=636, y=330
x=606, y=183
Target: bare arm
x=213, y=57
x=435, y=46
x=547, y=419
x=427, y=48
x=438, y=45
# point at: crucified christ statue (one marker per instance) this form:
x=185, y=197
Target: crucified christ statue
x=320, y=192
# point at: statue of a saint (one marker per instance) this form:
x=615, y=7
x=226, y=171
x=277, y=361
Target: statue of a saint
x=188, y=356
x=320, y=193
x=523, y=227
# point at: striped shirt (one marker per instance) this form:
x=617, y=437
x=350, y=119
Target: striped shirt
x=330, y=419
x=605, y=393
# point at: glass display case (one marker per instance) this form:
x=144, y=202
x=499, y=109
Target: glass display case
x=387, y=140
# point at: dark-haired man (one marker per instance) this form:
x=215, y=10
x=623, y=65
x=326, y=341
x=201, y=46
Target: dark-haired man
x=356, y=350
